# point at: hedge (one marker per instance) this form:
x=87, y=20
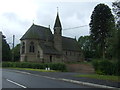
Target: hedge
x=106, y=67
x=52, y=66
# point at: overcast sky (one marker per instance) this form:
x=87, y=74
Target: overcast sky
x=16, y=16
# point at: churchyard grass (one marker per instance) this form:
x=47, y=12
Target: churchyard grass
x=40, y=70
x=101, y=77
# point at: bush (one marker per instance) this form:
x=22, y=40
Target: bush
x=53, y=66
x=106, y=67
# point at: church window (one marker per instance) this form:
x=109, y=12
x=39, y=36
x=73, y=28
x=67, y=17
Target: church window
x=66, y=52
x=31, y=48
x=50, y=58
x=23, y=48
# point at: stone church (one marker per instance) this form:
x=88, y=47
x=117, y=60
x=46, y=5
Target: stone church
x=38, y=44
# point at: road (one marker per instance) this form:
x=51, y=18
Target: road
x=19, y=79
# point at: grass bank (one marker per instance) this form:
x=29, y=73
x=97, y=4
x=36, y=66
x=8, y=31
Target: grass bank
x=101, y=77
x=40, y=70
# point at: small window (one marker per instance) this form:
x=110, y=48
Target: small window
x=50, y=58
x=66, y=52
x=31, y=48
x=23, y=48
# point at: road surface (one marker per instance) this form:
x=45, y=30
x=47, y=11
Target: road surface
x=19, y=79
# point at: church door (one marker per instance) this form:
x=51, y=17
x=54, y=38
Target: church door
x=50, y=58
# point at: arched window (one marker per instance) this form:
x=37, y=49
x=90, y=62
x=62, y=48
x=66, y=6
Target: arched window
x=23, y=48
x=31, y=48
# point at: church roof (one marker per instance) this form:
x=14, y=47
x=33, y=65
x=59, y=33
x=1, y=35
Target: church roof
x=38, y=32
x=70, y=44
x=48, y=49
x=43, y=33
x=57, y=22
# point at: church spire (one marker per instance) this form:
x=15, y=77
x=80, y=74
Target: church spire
x=57, y=21
x=58, y=34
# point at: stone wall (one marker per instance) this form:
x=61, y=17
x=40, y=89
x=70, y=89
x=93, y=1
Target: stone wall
x=71, y=56
x=38, y=56
x=82, y=68
x=54, y=58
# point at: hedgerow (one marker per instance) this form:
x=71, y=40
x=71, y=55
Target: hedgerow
x=53, y=66
x=106, y=67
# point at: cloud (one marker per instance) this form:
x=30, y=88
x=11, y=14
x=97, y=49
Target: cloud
x=17, y=16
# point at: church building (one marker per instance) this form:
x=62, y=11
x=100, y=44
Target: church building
x=38, y=44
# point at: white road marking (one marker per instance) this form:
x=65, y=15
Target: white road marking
x=89, y=84
x=69, y=80
x=16, y=83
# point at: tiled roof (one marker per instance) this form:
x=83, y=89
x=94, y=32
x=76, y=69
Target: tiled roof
x=48, y=49
x=38, y=32
x=41, y=33
x=70, y=44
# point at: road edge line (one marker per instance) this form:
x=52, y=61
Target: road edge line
x=16, y=83
x=72, y=81
x=87, y=83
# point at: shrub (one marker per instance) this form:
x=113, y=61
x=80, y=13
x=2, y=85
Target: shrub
x=106, y=67
x=53, y=66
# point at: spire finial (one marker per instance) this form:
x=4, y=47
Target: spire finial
x=33, y=21
x=57, y=10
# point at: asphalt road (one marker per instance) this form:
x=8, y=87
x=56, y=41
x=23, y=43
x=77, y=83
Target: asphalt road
x=12, y=79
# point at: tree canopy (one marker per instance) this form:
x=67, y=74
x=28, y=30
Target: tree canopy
x=101, y=25
x=6, y=52
x=116, y=10
x=16, y=51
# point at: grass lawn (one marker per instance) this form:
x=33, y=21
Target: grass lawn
x=40, y=70
x=101, y=77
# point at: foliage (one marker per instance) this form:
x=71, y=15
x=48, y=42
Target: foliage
x=116, y=10
x=6, y=53
x=52, y=66
x=101, y=27
x=85, y=44
x=16, y=51
x=106, y=67
x=101, y=77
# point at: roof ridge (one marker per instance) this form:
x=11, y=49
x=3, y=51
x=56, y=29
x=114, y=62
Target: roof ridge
x=41, y=26
x=68, y=37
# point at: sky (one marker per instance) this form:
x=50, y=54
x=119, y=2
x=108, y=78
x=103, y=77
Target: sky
x=16, y=16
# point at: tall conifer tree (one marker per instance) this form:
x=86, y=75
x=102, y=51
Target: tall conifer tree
x=101, y=24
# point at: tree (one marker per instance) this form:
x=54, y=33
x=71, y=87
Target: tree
x=86, y=46
x=116, y=10
x=16, y=52
x=101, y=26
x=6, y=52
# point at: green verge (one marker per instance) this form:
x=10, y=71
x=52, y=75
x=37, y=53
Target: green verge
x=40, y=70
x=101, y=77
